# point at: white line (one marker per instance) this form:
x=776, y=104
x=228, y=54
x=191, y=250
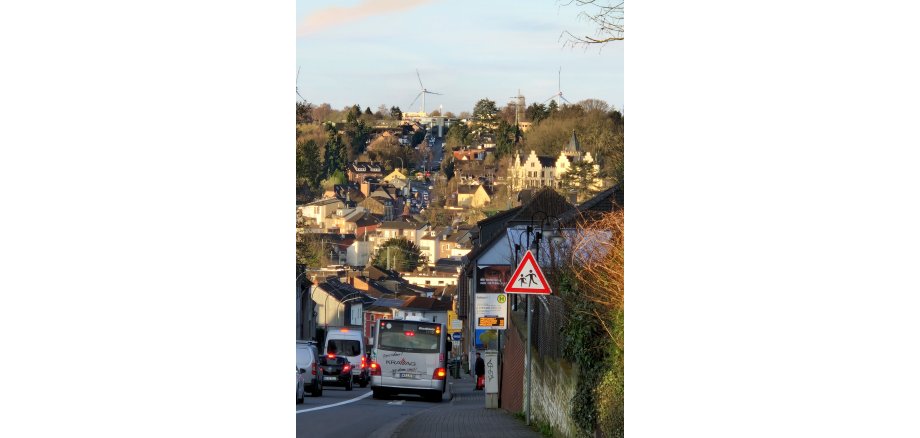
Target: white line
x=336, y=404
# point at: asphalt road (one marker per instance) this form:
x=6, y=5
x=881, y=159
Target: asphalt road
x=342, y=414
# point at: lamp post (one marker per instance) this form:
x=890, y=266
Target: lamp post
x=536, y=247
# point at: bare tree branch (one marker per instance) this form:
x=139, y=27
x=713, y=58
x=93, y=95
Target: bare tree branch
x=606, y=15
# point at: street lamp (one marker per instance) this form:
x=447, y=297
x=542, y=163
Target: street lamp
x=538, y=235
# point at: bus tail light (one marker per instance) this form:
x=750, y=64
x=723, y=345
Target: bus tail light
x=363, y=362
x=314, y=368
x=375, y=369
x=439, y=374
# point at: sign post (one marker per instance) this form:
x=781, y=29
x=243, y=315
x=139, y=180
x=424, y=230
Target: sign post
x=491, y=360
x=528, y=279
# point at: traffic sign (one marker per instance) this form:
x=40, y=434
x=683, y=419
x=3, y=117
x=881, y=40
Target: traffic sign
x=456, y=336
x=528, y=278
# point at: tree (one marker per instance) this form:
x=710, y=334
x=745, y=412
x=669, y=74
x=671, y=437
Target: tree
x=458, y=135
x=382, y=112
x=399, y=254
x=448, y=168
x=309, y=168
x=395, y=113
x=579, y=178
x=505, y=138
x=336, y=155
x=536, y=112
x=304, y=112
x=368, y=111
x=593, y=105
x=322, y=113
x=485, y=108
x=552, y=108
x=607, y=15
x=310, y=251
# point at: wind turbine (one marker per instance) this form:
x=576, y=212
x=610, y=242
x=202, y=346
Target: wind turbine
x=297, y=84
x=422, y=93
x=558, y=93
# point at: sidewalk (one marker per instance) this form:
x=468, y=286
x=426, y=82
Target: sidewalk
x=463, y=416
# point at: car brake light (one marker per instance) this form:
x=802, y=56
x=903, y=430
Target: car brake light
x=375, y=369
x=363, y=362
x=343, y=330
x=314, y=368
x=330, y=356
x=346, y=368
x=439, y=374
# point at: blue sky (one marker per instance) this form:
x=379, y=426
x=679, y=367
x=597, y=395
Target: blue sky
x=366, y=52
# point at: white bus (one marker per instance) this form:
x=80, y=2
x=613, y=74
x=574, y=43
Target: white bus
x=409, y=357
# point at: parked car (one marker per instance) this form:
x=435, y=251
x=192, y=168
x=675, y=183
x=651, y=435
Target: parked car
x=337, y=371
x=300, y=391
x=308, y=365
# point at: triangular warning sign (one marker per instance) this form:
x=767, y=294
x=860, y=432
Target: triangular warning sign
x=528, y=278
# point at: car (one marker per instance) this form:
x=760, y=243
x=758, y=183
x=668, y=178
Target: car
x=308, y=366
x=350, y=343
x=300, y=390
x=337, y=371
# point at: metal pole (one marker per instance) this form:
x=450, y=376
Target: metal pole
x=527, y=356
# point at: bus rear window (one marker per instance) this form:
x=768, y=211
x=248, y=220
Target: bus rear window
x=410, y=337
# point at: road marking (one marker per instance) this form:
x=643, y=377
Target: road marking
x=398, y=402
x=335, y=404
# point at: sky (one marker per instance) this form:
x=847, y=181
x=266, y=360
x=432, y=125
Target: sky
x=366, y=52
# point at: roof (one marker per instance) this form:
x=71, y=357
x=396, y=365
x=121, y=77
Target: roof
x=546, y=161
x=341, y=291
x=468, y=189
x=573, y=147
x=425, y=303
x=401, y=225
x=603, y=202
x=325, y=201
x=366, y=221
x=365, y=166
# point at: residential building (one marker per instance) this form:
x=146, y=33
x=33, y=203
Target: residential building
x=536, y=171
x=358, y=171
x=317, y=213
x=474, y=196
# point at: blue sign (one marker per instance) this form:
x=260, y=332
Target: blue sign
x=456, y=336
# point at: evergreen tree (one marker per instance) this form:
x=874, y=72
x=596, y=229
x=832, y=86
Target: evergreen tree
x=336, y=155
x=395, y=113
x=403, y=255
x=309, y=167
x=579, y=178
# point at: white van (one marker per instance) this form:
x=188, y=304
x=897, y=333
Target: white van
x=349, y=343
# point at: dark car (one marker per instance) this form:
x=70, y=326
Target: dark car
x=336, y=371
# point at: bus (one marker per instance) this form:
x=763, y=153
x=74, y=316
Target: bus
x=409, y=357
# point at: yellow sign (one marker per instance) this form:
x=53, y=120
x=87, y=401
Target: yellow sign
x=454, y=324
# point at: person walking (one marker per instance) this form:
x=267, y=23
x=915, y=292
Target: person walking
x=480, y=372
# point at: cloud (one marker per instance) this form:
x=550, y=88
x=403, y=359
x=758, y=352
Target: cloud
x=337, y=15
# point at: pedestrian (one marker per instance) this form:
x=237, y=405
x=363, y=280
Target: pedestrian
x=480, y=372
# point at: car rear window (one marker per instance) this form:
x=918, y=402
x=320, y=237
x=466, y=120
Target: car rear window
x=344, y=347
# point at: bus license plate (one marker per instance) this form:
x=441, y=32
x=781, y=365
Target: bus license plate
x=407, y=376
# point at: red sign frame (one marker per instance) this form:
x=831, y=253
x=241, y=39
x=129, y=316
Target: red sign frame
x=510, y=288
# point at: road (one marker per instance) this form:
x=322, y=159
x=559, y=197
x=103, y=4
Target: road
x=358, y=415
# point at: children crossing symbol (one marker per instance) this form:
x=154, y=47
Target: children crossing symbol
x=528, y=278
